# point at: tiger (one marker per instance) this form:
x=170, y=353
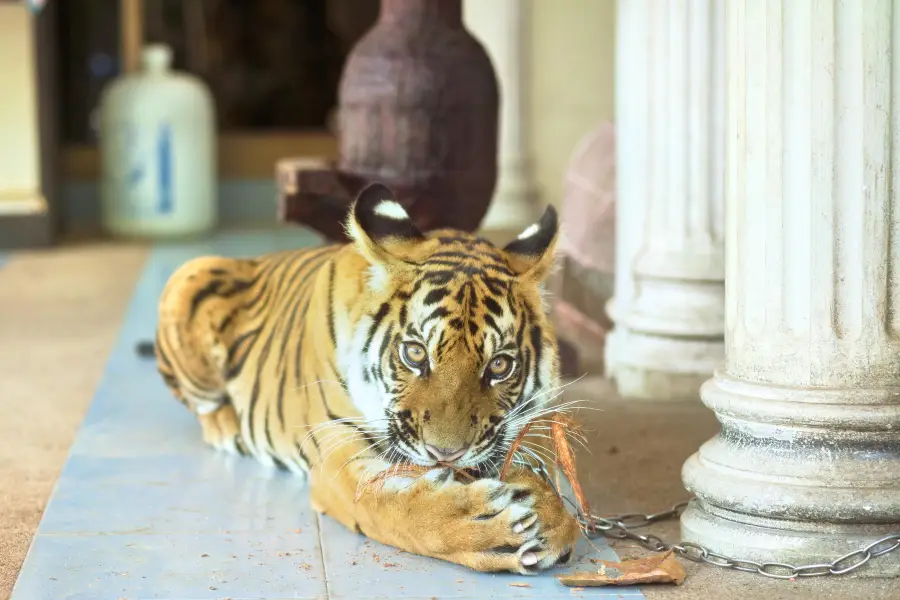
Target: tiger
x=345, y=360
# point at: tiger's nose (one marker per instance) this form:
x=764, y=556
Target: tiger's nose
x=445, y=455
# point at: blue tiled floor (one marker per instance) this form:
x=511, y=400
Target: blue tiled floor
x=144, y=509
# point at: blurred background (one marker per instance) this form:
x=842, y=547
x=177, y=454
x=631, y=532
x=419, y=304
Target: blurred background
x=273, y=68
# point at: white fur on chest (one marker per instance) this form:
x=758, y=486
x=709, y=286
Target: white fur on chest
x=367, y=397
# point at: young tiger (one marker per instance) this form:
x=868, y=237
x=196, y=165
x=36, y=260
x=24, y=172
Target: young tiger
x=342, y=361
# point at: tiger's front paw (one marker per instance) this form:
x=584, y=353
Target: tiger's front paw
x=519, y=526
x=557, y=530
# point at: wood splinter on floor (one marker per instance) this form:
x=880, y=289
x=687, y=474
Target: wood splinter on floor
x=659, y=568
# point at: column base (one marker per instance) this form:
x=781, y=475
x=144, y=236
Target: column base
x=796, y=474
x=650, y=367
x=765, y=540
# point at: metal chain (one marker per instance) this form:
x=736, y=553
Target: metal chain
x=620, y=526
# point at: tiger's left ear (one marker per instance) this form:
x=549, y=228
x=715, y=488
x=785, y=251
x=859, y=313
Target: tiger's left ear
x=381, y=228
x=533, y=253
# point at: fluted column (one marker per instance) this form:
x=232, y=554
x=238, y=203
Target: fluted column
x=502, y=27
x=20, y=165
x=669, y=303
x=807, y=465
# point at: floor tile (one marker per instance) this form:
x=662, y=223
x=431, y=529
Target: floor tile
x=360, y=568
x=206, y=493
x=182, y=567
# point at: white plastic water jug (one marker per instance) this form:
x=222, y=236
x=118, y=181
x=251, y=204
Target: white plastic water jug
x=157, y=141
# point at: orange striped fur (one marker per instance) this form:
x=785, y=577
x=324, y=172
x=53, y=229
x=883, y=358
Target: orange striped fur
x=342, y=361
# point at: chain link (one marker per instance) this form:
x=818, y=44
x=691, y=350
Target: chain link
x=621, y=526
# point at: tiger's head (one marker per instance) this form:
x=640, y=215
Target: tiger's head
x=452, y=351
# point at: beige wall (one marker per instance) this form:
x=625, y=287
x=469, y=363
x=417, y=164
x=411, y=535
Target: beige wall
x=572, y=44
x=19, y=144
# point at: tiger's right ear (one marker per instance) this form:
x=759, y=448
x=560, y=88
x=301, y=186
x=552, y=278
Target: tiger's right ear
x=381, y=228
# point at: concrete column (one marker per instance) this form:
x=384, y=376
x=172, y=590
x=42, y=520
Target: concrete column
x=669, y=303
x=20, y=164
x=807, y=465
x=502, y=27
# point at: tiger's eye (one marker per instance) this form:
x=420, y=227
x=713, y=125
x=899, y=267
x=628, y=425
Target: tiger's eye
x=414, y=354
x=500, y=366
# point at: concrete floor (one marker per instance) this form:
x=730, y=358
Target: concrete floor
x=60, y=313
x=62, y=310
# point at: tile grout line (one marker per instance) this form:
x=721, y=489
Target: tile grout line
x=322, y=555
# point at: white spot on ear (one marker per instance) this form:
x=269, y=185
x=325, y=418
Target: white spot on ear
x=529, y=231
x=391, y=210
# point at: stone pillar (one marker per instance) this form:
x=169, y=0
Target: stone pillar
x=669, y=303
x=807, y=465
x=25, y=149
x=502, y=27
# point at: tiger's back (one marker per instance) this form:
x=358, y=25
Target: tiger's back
x=228, y=329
